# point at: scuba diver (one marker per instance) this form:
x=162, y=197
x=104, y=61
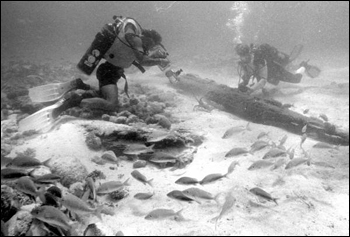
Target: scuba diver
x=121, y=44
x=266, y=64
x=127, y=44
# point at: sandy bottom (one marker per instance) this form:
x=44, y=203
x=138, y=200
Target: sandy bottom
x=312, y=200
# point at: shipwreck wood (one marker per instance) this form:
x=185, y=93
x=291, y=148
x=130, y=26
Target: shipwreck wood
x=263, y=111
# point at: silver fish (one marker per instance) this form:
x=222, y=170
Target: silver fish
x=236, y=151
x=257, y=146
x=263, y=134
x=91, y=185
x=47, y=179
x=143, y=196
x=260, y=164
x=186, y=181
x=137, y=149
x=283, y=140
x=291, y=154
x=159, y=214
x=274, y=152
x=234, y=130
x=78, y=206
x=162, y=157
x=232, y=167
x=5, y=161
x=9, y=173
x=278, y=164
x=228, y=204
x=139, y=164
x=306, y=111
x=323, y=145
x=111, y=186
x=27, y=186
x=323, y=164
x=52, y=216
x=198, y=193
x=303, y=138
x=261, y=193
x=159, y=135
x=296, y=162
x=26, y=162
x=178, y=195
x=211, y=178
x=140, y=177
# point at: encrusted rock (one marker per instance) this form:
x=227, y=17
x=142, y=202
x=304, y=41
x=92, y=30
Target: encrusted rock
x=105, y=117
x=19, y=224
x=132, y=119
x=70, y=169
x=77, y=189
x=93, y=142
x=163, y=121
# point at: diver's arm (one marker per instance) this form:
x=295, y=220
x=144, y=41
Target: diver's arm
x=141, y=58
x=263, y=80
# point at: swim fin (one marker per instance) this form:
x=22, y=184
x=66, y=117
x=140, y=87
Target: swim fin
x=295, y=52
x=41, y=121
x=44, y=120
x=55, y=91
x=311, y=70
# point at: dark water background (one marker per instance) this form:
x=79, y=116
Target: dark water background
x=64, y=30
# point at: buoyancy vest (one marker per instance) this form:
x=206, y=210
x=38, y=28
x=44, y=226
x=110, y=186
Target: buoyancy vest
x=121, y=52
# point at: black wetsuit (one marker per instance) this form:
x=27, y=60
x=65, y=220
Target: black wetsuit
x=108, y=74
x=266, y=55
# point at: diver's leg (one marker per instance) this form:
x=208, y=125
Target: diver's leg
x=290, y=77
x=109, y=102
x=107, y=75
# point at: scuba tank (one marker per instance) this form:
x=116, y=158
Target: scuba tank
x=98, y=48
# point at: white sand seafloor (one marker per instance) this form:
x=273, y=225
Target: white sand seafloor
x=312, y=200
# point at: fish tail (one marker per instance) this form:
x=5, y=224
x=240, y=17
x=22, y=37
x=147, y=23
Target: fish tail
x=150, y=182
x=31, y=173
x=194, y=199
x=98, y=212
x=308, y=162
x=179, y=216
x=126, y=183
x=226, y=175
x=275, y=200
x=40, y=193
x=216, y=198
x=248, y=127
x=86, y=195
x=216, y=221
x=46, y=162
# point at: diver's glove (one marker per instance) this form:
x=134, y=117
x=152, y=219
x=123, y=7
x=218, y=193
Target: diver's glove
x=305, y=64
x=242, y=87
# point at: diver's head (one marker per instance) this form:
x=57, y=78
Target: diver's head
x=150, y=38
x=243, y=51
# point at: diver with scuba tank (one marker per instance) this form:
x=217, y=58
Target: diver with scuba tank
x=266, y=64
x=121, y=44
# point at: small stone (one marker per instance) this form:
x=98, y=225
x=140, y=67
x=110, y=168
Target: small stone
x=93, y=142
x=121, y=120
x=163, y=121
x=105, y=117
